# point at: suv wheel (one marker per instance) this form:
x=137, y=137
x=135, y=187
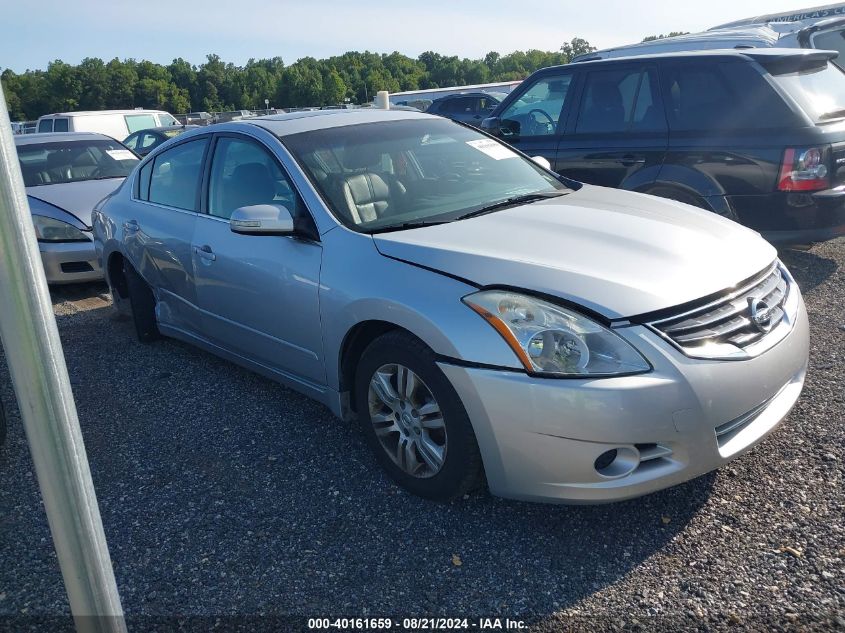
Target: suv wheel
x=679, y=195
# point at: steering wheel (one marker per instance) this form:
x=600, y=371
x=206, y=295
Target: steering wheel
x=550, y=126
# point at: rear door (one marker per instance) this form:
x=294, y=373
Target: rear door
x=619, y=136
x=534, y=118
x=157, y=236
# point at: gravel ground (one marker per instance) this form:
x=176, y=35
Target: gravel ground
x=225, y=494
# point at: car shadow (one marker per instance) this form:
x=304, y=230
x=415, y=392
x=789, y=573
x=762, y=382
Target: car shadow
x=809, y=268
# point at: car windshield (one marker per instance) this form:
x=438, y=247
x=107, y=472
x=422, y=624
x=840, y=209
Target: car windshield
x=74, y=161
x=820, y=91
x=402, y=174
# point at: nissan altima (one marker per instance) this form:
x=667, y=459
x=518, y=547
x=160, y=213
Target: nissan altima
x=65, y=175
x=482, y=318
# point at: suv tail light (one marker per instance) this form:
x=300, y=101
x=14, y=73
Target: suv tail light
x=803, y=170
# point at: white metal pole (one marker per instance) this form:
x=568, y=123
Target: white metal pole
x=39, y=374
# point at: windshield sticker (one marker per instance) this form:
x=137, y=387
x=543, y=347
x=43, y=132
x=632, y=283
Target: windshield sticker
x=494, y=150
x=120, y=154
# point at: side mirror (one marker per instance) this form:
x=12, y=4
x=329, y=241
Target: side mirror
x=491, y=125
x=262, y=219
x=542, y=161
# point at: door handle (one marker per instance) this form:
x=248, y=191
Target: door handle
x=131, y=226
x=205, y=252
x=630, y=160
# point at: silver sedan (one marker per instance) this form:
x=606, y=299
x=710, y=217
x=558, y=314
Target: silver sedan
x=66, y=175
x=481, y=317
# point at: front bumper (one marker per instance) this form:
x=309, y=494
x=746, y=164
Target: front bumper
x=70, y=262
x=540, y=438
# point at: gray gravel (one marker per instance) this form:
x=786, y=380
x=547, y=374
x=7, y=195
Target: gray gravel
x=223, y=493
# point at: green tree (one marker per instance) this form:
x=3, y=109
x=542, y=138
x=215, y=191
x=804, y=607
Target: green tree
x=334, y=88
x=217, y=85
x=64, y=86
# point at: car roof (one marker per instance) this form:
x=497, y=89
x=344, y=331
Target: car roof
x=764, y=55
x=296, y=122
x=52, y=137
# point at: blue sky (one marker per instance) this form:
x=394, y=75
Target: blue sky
x=160, y=30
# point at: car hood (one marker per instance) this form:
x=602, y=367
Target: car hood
x=77, y=198
x=617, y=253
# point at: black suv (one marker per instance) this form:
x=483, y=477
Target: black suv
x=756, y=135
x=469, y=107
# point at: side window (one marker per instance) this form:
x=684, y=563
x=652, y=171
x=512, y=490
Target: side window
x=176, y=175
x=243, y=173
x=537, y=111
x=60, y=125
x=832, y=41
x=45, y=125
x=131, y=142
x=622, y=100
x=721, y=96
x=135, y=122
x=144, y=181
x=147, y=140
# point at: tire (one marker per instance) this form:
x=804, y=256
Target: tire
x=2, y=425
x=679, y=195
x=143, y=303
x=441, y=420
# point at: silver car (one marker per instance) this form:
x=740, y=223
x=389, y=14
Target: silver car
x=480, y=316
x=65, y=175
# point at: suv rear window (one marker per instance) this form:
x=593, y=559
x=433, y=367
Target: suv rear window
x=820, y=91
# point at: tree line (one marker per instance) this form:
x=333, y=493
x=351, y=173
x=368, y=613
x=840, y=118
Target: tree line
x=216, y=85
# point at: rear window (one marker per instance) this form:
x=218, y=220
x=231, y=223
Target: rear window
x=721, y=96
x=820, y=91
x=74, y=161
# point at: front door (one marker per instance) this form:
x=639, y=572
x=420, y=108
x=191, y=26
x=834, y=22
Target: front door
x=619, y=136
x=258, y=294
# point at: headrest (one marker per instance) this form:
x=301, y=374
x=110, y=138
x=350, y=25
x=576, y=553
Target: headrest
x=361, y=156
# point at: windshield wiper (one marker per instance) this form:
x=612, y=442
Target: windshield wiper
x=512, y=202
x=407, y=225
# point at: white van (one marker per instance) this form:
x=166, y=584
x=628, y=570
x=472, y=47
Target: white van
x=115, y=123
x=820, y=27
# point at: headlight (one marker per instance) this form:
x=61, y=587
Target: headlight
x=554, y=341
x=50, y=230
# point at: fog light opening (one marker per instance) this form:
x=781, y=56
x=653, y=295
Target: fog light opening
x=617, y=462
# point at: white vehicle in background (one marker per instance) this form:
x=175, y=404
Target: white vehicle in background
x=117, y=124
x=822, y=28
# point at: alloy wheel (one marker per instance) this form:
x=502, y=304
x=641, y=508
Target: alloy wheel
x=407, y=420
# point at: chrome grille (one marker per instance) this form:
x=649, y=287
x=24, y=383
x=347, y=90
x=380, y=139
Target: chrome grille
x=728, y=320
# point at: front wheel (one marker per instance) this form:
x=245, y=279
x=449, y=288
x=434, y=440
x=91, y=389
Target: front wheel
x=414, y=420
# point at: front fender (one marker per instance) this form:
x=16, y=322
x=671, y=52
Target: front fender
x=369, y=286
